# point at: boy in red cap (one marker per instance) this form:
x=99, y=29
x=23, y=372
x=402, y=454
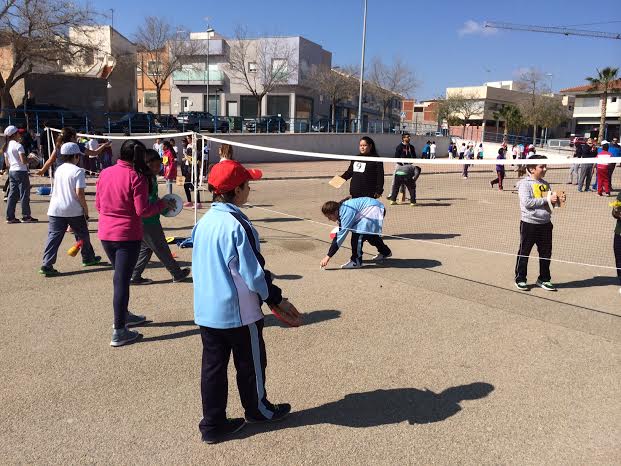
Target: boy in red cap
x=230, y=284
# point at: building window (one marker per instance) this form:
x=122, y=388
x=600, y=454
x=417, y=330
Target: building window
x=418, y=109
x=278, y=105
x=252, y=67
x=150, y=99
x=153, y=67
x=279, y=68
x=248, y=106
x=613, y=100
x=89, y=57
x=587, y=102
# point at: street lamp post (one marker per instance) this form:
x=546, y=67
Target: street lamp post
x=209, y=32
x=364, y=40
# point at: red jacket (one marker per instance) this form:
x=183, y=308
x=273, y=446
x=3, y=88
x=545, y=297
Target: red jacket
x=170, y=167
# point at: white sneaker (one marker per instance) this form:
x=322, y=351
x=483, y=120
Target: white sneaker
x=381, y=257
x=351, y=265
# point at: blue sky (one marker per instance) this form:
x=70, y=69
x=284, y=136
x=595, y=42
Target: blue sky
x=431, y=36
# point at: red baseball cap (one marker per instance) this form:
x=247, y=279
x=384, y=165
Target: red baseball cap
x=227, y=175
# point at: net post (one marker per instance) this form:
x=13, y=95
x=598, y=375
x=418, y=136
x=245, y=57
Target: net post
x=194, y=174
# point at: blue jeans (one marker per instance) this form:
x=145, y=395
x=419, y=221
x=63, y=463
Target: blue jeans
x=56, y=232
x=19, y=186
x=123, y=256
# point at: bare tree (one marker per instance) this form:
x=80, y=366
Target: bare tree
x=389, y=82
x=261, y=65
x=460, y=107
x=532, y=81
x=161, y=51
x=335, y=84
x=37, y=33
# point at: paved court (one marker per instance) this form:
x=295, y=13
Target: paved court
x=432, y=357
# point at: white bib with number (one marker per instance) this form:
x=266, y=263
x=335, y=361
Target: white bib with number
x=359, y=167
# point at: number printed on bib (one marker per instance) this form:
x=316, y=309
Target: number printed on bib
x=540, y=190
x=359, y=167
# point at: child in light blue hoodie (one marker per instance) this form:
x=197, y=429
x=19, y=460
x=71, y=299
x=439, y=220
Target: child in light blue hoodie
x=230, y=285
x=364, y=217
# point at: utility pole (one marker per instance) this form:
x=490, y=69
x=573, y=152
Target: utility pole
x=364, y=41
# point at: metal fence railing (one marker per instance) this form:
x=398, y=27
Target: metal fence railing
x=140, y=123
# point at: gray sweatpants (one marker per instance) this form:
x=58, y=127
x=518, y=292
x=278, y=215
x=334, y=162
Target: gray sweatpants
x=154, y=241
x=586, y=173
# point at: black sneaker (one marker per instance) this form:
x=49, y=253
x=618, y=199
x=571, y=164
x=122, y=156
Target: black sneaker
x=183, y=276
x=280, y=411
x=96, y=261
x=140, y=281
x=12, y=221
x=134, y=319
x=225, y=431
x=521, y=285
x=49, y=271
x=29, y=219
x=123, y=336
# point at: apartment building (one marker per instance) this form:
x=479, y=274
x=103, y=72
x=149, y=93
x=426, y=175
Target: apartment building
x=587, y=109
x=206, y=82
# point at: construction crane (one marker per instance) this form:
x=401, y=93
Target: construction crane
x=554, y=30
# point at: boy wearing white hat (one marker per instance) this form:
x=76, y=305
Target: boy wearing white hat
x=19, y=183
x=68, y=208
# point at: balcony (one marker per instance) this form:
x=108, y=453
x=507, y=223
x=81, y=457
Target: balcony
x=198, y=77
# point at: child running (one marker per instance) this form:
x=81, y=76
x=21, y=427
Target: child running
x=364, y=217
x=230, y=284
x=68, y=208
x=500, y=169
x=535, y=225
x=154, y=240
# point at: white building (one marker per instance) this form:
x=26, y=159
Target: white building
x=587, y=109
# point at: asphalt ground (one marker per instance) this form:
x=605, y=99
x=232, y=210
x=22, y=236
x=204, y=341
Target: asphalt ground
x=430, y=357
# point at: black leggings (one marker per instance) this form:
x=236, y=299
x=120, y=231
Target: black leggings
x=188, y=188
x=123, y=256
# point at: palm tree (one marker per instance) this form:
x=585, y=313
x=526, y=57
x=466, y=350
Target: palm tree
x=512, y=117
x=603, y=83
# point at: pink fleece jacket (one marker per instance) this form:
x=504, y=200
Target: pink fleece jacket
x=121, y=200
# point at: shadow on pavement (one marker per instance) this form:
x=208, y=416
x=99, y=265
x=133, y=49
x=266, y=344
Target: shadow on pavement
x=382, y=407
x=310, y=318
x=403, y=264
x=424, y=236
x=287, y=277
x=103, y=266
x=313, y=317
x=600, y=280
x=277, y=219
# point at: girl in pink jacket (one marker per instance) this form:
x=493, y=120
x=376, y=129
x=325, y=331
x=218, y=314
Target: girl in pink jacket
x=170, y=165
x=122, y=200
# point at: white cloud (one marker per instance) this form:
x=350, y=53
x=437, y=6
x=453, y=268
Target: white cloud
x=472, y=27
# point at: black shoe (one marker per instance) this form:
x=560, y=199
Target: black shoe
x=12, y=221
x=140, y=281
x=122, y=336
x=183, y=276
x=96, y=261
x=280, y=411
x=29, y=219
x=225, y=431
x=134, y=319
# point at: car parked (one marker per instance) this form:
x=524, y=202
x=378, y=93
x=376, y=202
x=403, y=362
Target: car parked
x=577, y=140
x=203, y=121
x=134, y=123
x=267, y=124
x=321, y=125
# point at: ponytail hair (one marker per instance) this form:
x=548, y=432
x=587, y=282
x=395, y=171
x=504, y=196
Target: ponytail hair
x=67, y=134
x=134, y=151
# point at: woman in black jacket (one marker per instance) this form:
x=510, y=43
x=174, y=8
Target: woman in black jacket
x=367, y=178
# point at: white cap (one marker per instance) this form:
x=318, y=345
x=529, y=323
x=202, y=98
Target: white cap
x=10, y=130
x=604, y=142
x=70, y=148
